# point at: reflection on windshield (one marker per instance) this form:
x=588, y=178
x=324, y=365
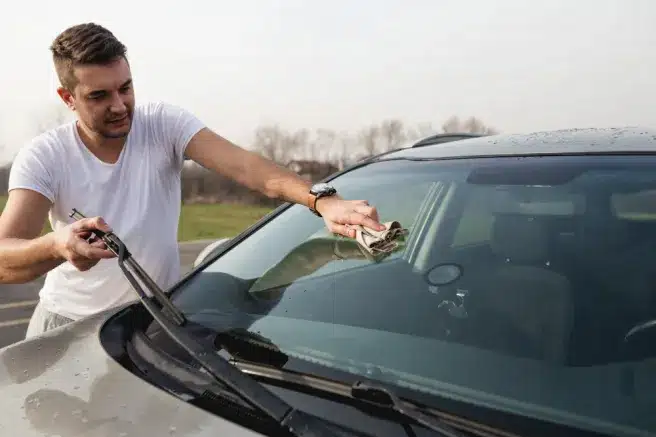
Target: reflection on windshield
x=307, y=259
x=554, y=260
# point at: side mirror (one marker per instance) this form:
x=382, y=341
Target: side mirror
x=209, y=250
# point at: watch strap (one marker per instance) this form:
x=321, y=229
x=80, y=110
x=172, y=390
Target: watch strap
x=312, y=199
x=312, y=203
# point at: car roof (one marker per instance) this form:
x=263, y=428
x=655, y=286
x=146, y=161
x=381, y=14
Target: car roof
x=566, y=141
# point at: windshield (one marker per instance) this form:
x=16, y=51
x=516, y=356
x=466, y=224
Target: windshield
x=514, y=288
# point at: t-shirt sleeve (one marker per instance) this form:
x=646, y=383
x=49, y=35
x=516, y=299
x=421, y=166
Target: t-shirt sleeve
x=34, y=169
x=177, y=127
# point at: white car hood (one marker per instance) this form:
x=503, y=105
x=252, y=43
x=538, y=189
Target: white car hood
x=64, y=384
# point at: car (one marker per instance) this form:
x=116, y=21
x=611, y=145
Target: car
x=520, y=300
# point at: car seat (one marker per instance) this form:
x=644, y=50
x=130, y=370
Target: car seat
x=523, y=307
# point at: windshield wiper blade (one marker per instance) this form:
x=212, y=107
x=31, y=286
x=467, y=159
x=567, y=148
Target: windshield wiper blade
x=382, y=397
x=245, y=345
x=296, y=422
x=371, y=396
x=125, y=260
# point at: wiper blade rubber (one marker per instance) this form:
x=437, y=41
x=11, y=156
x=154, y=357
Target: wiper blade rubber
x=248, y=346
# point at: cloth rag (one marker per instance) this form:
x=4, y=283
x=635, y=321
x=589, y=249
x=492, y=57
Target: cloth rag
x=379, y=243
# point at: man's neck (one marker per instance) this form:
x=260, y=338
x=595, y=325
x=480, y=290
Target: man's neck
x=105, y=149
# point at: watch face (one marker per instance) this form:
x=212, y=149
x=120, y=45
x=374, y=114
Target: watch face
x=321, y=188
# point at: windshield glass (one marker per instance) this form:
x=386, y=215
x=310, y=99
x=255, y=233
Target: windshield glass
x=514, y=288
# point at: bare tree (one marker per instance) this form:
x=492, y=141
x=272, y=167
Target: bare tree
x=278, y=145
x=392, y=134
x=312, y=149
x=321, y=146
x=473, y=125
x=368, y=139
x=476, y=126
x=268, y=140
x=452, y=124
x=470, y=125
x=294, y=142
x=420, y=131
x=347, y=152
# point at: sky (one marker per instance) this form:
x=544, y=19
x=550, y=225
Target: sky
x=519, y=65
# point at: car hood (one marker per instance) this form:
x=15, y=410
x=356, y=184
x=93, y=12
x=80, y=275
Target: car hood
x=64, y=383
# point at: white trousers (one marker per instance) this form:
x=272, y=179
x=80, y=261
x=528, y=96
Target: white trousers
x=43, y=320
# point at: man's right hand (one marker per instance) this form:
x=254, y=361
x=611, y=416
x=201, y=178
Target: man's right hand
x=26, y=254
x=70, y=243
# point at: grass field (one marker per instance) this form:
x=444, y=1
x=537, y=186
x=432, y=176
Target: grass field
x=208, y=221
x=217, y=220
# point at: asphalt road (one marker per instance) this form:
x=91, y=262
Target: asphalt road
x=17, y=301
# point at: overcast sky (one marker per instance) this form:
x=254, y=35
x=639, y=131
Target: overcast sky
x=519, y=65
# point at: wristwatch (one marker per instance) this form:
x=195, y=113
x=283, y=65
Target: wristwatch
x=318, y=191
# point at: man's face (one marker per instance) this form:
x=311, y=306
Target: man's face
x=103, y=98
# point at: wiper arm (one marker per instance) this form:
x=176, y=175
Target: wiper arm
x=294, y=421
x=382, y=397
x=125, y=259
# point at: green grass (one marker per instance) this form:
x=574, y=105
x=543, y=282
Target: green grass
x=207, y=221
x=217, y=220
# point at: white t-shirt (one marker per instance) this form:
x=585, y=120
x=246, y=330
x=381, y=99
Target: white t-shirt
x=139, y=197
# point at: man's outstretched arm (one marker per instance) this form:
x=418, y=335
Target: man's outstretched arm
x=260, y=174
x=25, y=254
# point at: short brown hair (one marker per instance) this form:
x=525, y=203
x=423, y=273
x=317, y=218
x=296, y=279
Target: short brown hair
x=84, y=44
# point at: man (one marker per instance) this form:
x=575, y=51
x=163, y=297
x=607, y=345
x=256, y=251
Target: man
x=120, y=163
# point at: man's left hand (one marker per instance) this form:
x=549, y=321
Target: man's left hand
x=339, y=214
